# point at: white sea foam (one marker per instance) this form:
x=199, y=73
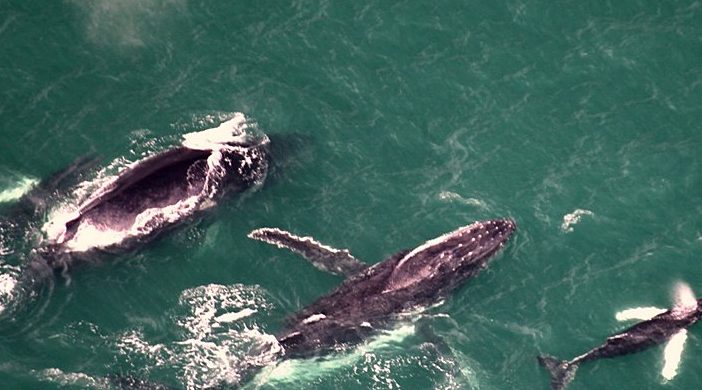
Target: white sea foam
x=232, y=130
x=218, y=333
x=685, y=301
x=450, y=196
x=573, y=218
x=18, y=189
x=8, y=282
x=308, y=369
x=73, y=379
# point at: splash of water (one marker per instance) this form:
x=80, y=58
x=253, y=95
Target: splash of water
x=18, y=189
x=573, y=218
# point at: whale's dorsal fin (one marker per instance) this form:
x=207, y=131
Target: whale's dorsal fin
x=673, y=353
x=325, y=258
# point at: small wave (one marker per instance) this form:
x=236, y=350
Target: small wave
x=17, y=189
x=573, y=218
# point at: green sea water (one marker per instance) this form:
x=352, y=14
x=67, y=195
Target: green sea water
x=415, y=118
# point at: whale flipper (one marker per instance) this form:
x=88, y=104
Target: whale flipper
x=561, y=372
x=639, y=313
x=672, y=354
x=325, y=258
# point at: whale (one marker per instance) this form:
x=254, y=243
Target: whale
x=372, y=295
x=158, y=192
x=658, y=326
x=371, y=298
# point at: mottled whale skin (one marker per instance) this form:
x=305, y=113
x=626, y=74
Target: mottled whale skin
x=370, y=296
x=160, y=191
x=668, y=326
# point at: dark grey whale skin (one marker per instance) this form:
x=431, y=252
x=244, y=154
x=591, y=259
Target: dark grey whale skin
x=155, y=182
x=368, y=300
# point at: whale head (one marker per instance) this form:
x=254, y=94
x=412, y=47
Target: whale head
x=451, y=258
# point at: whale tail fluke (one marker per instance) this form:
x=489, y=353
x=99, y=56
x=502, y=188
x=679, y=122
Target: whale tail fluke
x=561, y=371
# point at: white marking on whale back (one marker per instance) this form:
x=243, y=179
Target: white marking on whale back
x=672, y=354
x=639, y=313
x=573, y=218
x=438, y=240
x=685, y=301
x=314, y=318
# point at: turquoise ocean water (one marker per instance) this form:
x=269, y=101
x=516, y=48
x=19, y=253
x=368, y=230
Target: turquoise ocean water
x=580, y=120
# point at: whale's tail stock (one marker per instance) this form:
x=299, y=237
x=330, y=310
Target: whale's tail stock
x=561, y=371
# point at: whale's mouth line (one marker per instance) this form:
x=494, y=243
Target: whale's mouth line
x=164, y=188
x=167, y=193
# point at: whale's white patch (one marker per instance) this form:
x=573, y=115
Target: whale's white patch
x=639, y=313
x=314, y=318
x=673, y=354
x=440, y=239
x=231, y=317
x=573, y=218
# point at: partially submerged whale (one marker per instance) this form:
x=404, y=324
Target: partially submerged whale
x=161, y=191
x=371, y=295
x=659, y=326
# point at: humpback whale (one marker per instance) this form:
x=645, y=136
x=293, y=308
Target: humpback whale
x=658, y=326
x=160, y=191
x=371, y=295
